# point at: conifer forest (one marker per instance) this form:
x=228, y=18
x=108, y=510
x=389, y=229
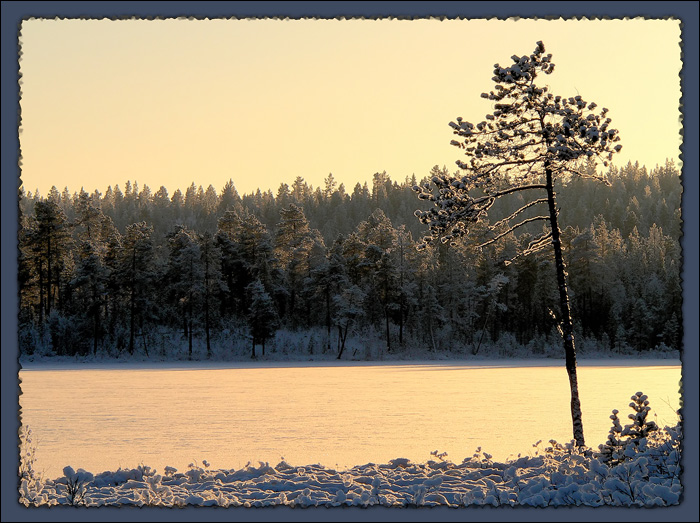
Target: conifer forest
x=209, y=273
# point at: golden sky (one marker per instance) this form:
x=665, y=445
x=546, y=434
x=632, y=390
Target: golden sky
x=171, y=102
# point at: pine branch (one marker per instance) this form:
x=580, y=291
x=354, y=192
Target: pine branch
x=596, y=177
x=512, y=229
x=535, y=245
x=496, y=166
x=527, y=205
x=511, y=190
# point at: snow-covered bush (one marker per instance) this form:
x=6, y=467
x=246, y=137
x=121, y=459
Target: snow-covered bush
x=76, y=484
x=561, y=475
x=625, y=442
x=479, y=459
x=27, y=454
x=31, y=483
x=29, y=339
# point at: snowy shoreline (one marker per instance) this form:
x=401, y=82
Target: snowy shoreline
x=646, y=474
x=555, y=476
x=71, y=363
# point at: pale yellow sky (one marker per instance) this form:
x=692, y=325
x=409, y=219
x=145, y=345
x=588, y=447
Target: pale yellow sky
x=171, y=102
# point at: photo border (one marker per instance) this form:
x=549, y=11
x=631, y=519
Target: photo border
x=13, y=12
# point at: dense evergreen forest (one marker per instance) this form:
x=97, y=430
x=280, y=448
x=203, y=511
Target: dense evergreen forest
x=213, y=274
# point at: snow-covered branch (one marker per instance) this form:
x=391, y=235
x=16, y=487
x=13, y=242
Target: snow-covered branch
x=516, y=213
x=514, y=227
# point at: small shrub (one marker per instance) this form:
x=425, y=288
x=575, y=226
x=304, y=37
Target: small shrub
x=27, y=454
x=439, y=455
x=625, y=442
x=479, y=459
x=31, y=484
x=76, y=485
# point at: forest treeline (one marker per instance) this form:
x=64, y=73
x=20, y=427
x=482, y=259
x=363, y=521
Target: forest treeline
x=214, y=272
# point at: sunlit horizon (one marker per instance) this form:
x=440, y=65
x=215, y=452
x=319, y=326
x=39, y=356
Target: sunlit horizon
x=262, y=102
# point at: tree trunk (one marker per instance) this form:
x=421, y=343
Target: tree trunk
x=483, y=329
x=388, y=338
x=328, y=317
x=341, y=338
x=41, y=295
x=143, y=338
x=207, y=329
x=206, y=322
x=566, y=323
x=48, y=276
x=95, y=319
x=432, y=337
x=189, y=340
x=401, y=312
x=206, y=298
x=133, y=303
x=189, y=325
x=184, y=321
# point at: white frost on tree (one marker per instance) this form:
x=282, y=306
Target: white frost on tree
x=530, y=139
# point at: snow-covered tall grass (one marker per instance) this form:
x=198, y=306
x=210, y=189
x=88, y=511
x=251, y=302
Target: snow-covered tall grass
x=367, y=344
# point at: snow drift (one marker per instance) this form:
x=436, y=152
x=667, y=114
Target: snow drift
x=645, y=473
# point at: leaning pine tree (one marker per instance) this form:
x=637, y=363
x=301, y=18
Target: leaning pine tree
x=531, y=138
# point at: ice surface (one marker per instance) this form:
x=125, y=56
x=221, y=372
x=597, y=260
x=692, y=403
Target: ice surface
x=330, y=413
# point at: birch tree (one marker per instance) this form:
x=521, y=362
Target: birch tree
x=531, y=138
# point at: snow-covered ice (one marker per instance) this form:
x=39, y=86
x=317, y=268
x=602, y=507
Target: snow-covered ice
x=561, y=476
x=335, y=414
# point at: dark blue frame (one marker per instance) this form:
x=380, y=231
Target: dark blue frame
x=12, y=14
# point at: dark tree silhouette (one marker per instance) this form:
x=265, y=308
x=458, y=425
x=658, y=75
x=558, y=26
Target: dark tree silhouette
x=531, y=138
x=262, y=316
x=136, y=271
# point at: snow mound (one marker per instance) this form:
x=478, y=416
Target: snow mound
x=560, y=475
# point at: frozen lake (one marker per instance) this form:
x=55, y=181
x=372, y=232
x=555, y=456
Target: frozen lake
x=102, y=417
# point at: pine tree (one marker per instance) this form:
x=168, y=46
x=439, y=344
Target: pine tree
x=90, y=284
x=48, y=242
x=406, y=268
x=531, y=138
x=231, y=261
x=137, y=274
x=262, y=315
x=228, y=198
x=348, y=310
x=329, y=186
x=212, y=284
x=185, y=278
x=292, y=244
x=381, y=266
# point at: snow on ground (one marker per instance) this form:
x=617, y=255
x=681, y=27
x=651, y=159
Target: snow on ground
x=553, y=477
x=308, y=347
x=72, y=363
x=648, y=475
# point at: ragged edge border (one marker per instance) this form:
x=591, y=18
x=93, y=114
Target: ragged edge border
x=13, y=13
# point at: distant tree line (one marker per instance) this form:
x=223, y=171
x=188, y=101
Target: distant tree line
x=114, y=273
